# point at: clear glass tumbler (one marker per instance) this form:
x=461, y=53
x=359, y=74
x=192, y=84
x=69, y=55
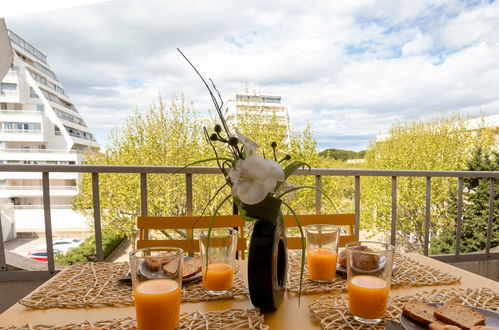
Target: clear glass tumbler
x=322, y=251
x=369, y=269
x=157, y=286
x=218, y=255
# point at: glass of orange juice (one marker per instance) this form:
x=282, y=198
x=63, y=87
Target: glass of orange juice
x=157, y=286
x=322, y=251
x=218, y=254
x=369, y=272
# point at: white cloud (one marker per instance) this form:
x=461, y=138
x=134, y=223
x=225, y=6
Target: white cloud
x=348, y=68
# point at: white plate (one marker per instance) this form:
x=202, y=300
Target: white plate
x=492, y=319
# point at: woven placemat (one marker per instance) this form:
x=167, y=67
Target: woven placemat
x=97, y=284
x=332, y=311
x=228, y=319
x=90, y=284
x=409, y=272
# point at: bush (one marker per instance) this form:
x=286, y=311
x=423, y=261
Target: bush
x=87, y=252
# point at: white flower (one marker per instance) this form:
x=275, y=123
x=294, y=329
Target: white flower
x=249, y=145
x=254, y=177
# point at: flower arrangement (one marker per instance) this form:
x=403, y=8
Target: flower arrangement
x=255, y=181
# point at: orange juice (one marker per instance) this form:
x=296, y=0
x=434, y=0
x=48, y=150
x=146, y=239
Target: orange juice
x=321, y=264
x=368, y=296
x=157, y=304
x=220, y=277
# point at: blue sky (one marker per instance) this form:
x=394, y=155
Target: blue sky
x=348, y=68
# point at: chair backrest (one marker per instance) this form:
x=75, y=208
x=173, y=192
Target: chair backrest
x=188, y=223
x=347, y=220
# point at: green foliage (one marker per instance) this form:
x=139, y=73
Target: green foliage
x=438, y=144
x=340, y=154
x=87, y=252
x=172, y=135
x=476, y=194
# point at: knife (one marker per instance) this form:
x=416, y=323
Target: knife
x=392, y=325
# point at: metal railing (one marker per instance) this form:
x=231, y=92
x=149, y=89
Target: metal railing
x=20, y=112
x=96, y=170
x=37, y=150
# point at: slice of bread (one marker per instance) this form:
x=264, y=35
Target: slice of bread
x=441, y=326
x=191, y=267
x=419, y=312
x=452, y=312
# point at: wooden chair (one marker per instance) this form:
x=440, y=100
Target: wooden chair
x=347, y=220
x=189, y=223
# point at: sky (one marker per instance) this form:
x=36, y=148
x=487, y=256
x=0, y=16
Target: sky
x=349, y=68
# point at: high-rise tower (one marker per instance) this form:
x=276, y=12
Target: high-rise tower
x=38, y=125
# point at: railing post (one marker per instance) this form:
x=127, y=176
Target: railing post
x=188, y=205
x=357, y=206
x=143, y=200
x=3, y=262
x=188, y=193
x=491, y=216
x=393, y=237
x=97, y=223
x=48, y=222
x=427, y=223
x=460, y=182
x=318, y=185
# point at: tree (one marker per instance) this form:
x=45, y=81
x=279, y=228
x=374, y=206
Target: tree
x=476, y=194
x=437, y=144
x=173, y=136
x=341, y=154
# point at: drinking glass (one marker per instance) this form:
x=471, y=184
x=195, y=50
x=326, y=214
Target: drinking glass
x=322, y=251
x=369, y=273
x=218, y=255
x=157, y=286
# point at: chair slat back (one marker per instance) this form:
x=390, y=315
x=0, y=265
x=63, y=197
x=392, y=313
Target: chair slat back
x=342, y=220
x=189, y=223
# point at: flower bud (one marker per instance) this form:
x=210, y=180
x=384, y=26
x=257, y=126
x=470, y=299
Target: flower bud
x=233, y=141
x=218, y=128
x=213, y=137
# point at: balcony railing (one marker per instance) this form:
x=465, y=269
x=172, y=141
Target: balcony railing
x=22, y=131
x=35, y=150
x=72, y=188
x=20, y=112
x=95, y=170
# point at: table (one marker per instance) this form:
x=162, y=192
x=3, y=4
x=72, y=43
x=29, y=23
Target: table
x=289, y=316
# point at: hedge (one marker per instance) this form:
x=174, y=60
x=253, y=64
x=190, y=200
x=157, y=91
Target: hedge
x=86, y=251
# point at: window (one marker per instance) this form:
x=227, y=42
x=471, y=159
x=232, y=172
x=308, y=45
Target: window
x=3, y=106
x=40, y=107
x=18, y=106
x=57, y=131
x=9, y=87
x=32, y=93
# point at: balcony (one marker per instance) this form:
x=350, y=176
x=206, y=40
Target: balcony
x=36, y=191
x=27, y=280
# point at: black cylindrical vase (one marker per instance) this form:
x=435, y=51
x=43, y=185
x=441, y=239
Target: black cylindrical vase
x=268, y=254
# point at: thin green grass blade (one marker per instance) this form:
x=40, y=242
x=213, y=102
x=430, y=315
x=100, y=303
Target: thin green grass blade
x=313, y=188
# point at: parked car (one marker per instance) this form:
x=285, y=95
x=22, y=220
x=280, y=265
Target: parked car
x=66, y=244
x=40, y=254
x=63, y=245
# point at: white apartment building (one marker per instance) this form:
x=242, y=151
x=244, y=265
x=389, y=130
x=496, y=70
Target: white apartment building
x=256, y=104
x=39, y=125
